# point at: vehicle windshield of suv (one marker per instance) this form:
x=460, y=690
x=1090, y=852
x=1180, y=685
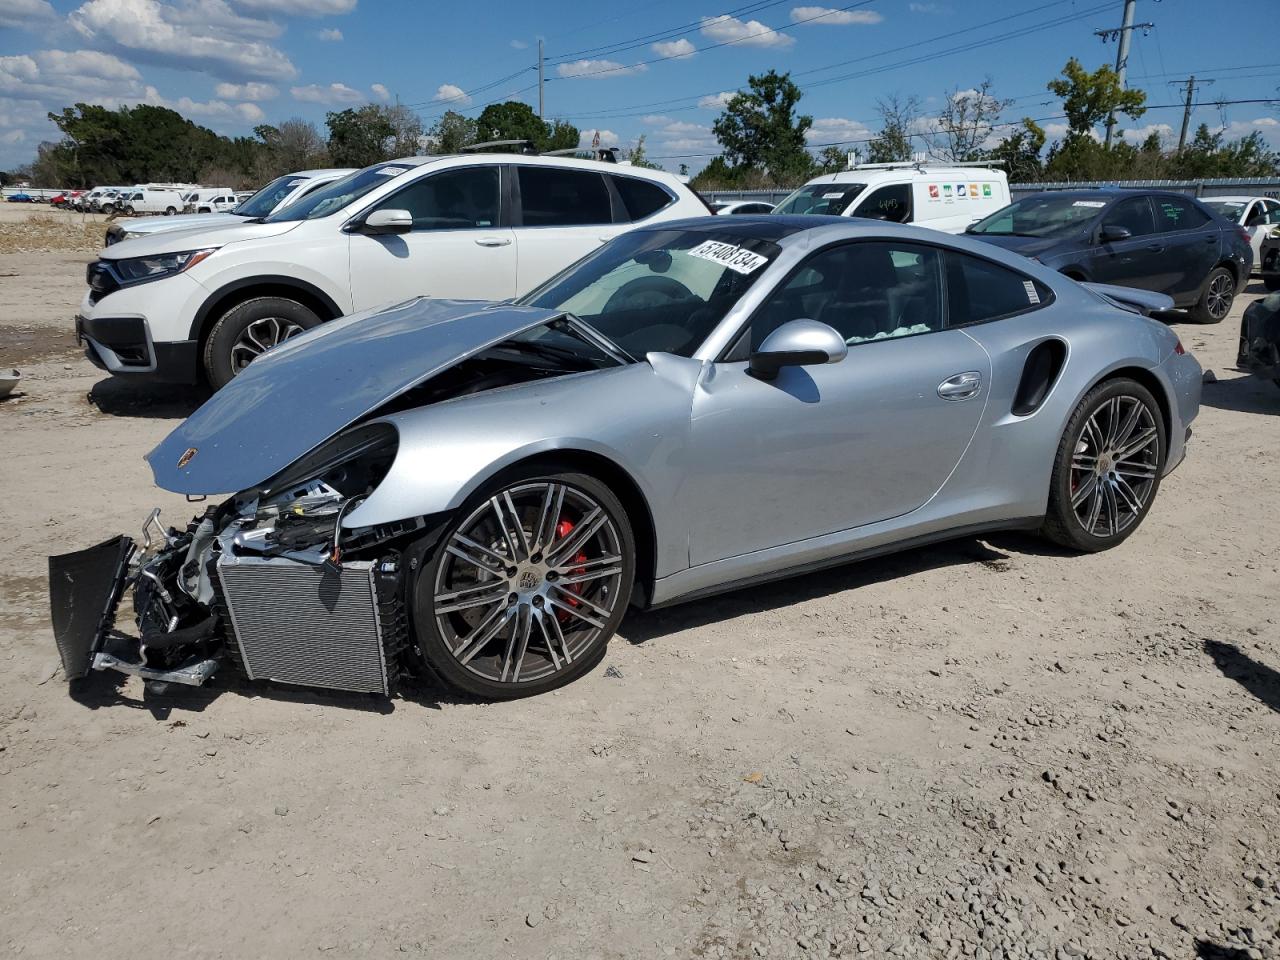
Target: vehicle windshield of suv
x=340, y=193
x=1231, y=209
x=659, y=290
x=832, y=199
x=1041, y=216
x=268, y=198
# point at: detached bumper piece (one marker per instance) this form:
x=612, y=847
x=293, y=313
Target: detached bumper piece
x=84, y=592
x=1260, y=338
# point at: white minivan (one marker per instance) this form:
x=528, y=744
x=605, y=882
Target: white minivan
x=946, y=198
x=146, y=200
x=200, y=304
x=210, y=200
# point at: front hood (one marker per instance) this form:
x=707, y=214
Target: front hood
x=183, y=222
x=303, y=392
x=195, y=237
x=1027, y=246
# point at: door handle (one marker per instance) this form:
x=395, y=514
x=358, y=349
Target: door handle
x=961, y=387
x=492, y=241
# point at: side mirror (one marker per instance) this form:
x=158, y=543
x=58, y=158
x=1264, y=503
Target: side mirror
x=797, y=343
x=1112, y=232
x=388, y=221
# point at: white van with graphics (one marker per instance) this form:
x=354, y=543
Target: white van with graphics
x=946, y=198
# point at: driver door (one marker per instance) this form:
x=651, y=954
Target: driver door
x=830, y=447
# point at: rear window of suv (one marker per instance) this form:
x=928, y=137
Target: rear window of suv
x=642, y=198
x=555, y=197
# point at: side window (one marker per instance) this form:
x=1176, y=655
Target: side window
x=641, y=197
x=891, y=203
x=978, y=290
x=1273, y=212
x=1133, y=214
x=866, y=291
x=458, y=199
x=555, y=197
x=1174, y=213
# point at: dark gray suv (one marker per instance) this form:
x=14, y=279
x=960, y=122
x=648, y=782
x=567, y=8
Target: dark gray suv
x=1153, y=240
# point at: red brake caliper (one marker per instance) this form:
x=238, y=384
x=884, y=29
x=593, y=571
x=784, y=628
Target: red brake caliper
x=563, y=529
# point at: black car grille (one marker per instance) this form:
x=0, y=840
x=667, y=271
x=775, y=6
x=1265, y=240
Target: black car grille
x=101, y=281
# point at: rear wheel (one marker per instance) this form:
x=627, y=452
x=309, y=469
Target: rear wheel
x=170, y=211
x=527, y=586
x=247, y=331
x=129, y=211
x=1216, y=296
x=1107, y=470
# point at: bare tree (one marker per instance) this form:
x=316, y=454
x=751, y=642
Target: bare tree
x=898, y=116
x=409, y=138
x=965, y=123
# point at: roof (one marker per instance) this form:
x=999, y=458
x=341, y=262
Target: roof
x=538, y=160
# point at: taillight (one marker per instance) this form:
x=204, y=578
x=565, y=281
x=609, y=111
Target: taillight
x=1245, y=235
x=1178, y=348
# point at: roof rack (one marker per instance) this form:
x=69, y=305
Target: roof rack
x=603, y=154
x=922, y=164
x=526, y=146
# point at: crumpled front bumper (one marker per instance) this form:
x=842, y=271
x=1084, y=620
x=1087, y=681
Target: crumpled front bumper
x=84, y=592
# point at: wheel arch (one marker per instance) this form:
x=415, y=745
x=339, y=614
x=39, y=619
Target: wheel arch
x=1075, y=272
x=1234, y=268
x=238, y=291
x=1153, y=383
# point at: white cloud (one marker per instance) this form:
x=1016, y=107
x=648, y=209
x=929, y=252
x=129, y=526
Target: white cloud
x=204, y=35
x=716, y=101
x=381, y=93
x=333, y=94
x=655, y=119
x=607, y=138
x=598, y=69
x=330, y=35
x=749, y=33
x=13, y=136
x=246, y=91
x=837, y=129
x=819, y=16
x=452, y=94
x=303, y=8
x=207, y=109
x=519, y=45
x=680, y=49
x=1138, y=134
x=68, y=76
x=1269, y=127
x=681, y=136
x=925, y=8
x=25, y=14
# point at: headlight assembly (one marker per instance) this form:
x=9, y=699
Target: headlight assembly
x=158, y=266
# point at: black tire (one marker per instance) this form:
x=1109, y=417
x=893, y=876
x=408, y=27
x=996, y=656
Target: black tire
x=495, y=652
x=170, y=211
x=226, y=351
x=1272, y=282
x=1070, y=480
x=1216, y=296
x=107, y=208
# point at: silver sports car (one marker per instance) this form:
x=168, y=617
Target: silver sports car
x=479, y=490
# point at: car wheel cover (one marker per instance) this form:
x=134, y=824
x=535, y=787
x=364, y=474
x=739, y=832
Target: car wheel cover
x=1221, y=293
x=1114, y=467
x=528, y=583
x=259, y=337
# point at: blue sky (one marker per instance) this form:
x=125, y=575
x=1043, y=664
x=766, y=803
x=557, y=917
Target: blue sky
x=658, y=68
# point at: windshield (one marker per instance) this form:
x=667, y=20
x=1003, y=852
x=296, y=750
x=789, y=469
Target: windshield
x=268, y=198
x=659, y=290
x=1231, y=209
x=831, y=199
x=340, y=193
x=1045, y=215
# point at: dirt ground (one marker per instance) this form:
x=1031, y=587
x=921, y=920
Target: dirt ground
x=986, y=748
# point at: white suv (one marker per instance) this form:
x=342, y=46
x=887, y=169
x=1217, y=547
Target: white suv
x=201, y=304
x=279, y=193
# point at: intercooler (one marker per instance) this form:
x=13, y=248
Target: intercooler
x=312, y=625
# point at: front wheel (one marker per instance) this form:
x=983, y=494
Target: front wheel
x=247, y=331
x=1216, y=297
x=527, y=586
x=170, y=211
x=1108, y=467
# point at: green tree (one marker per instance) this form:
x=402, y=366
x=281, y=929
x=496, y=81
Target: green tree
x=832, y=160
x=637, y=157
x=1020, y=152
x=897, y=117
x=719, y=174
x=1209, y=154
x=965, y=122
x=1089, y=98
x=360, y=136
x=452, y=132
x=760, y=129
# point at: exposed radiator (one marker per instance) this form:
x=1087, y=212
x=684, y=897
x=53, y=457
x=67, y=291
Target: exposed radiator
x=299, y=623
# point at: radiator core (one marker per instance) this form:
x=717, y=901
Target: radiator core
x=306, y=624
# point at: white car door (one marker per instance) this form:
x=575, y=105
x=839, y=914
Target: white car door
x=1258, y=221
x=564, y=215
x=456, y=249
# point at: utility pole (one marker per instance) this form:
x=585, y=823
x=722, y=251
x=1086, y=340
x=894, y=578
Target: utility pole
x=1186, y=110
x=1124, y=35
x=540, y=102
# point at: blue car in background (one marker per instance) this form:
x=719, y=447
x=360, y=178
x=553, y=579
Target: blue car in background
x=1153, y=240
x=20, y=198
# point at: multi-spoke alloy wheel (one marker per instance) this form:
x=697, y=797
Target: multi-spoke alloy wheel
x=259, y=337
x=1108, y=467
x=525, y=591
x=1216, y=297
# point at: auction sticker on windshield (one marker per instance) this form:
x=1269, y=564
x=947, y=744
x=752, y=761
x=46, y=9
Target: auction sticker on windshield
x=726, y=254
x=1099, y=204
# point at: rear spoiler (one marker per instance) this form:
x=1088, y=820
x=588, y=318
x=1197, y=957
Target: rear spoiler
x=1145, y=302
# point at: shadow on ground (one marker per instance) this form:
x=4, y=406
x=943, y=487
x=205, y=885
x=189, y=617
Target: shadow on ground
x=1259, y=679
x=1242, y=394
x=163, y=401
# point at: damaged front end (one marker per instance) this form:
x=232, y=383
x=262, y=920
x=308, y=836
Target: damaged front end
x=268, y=584
x=1260, y=338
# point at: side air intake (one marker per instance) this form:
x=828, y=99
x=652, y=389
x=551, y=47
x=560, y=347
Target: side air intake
x=1039, y=374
